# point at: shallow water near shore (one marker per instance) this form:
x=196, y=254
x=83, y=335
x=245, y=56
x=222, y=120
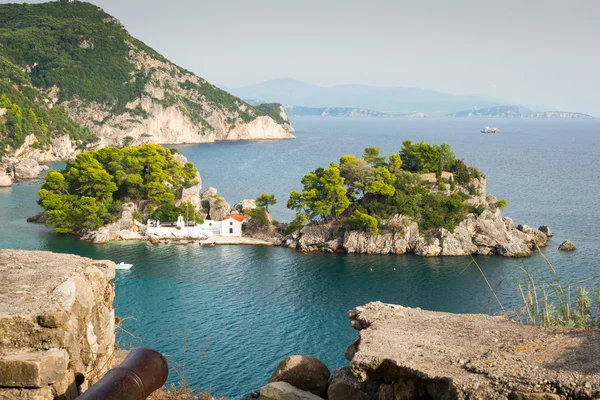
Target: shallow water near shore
x=228, y=315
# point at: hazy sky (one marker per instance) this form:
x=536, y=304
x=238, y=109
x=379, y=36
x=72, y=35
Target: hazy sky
x=533, y=52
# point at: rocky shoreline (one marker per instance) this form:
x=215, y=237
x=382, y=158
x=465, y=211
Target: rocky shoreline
x=488, y=233
x=485, y=233
x=16, y=170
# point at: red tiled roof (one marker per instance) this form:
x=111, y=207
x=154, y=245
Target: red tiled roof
x=237, y=217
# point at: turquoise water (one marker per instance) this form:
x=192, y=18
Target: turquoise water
x=228, y=315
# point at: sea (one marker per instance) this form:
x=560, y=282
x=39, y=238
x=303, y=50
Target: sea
x=225, y=316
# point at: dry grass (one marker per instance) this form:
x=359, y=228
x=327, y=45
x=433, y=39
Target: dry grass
x=174, y=393
x=547, y=302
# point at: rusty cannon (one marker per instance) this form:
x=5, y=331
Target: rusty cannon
x=143, y=371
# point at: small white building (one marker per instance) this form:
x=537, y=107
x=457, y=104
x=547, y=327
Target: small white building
x=230, y=226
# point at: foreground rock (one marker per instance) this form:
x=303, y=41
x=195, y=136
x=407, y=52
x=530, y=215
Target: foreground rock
x=405, y=353
x=57, y=324
x=307, y=373
x=285, y=391
x=567, y=246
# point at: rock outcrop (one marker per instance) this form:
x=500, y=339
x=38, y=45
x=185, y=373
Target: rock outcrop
x=5, y=180
x=57, y=324
x=405, y=353
x=244, y=207
x=191, y=194
x=546, y=230
x=62, y=149
x=567, y=246
x=25, y=168
x=307, y=373
x=216, y=206
x=488, y=233
x=126, y=228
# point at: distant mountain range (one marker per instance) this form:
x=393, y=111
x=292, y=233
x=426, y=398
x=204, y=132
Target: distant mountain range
x=389, y=100
x=515, y=112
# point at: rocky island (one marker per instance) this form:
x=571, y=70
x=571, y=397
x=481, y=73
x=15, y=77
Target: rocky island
x=511, y=111
x=422, y=200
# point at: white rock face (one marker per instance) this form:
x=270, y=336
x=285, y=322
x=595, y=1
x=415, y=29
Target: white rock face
x=62, y=149
x=5, y=180
x=176, y=108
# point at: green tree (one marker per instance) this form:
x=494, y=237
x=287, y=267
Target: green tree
x=265, y=200
x=297, y=223
x=323, y=196
x=371, y=156
x=357, y=173
x=383, y=184
x=90, y=191
x=502, y=204
x=395, y=164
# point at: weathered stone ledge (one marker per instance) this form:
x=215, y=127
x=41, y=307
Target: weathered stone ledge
x=57, y=324
x=405, y=354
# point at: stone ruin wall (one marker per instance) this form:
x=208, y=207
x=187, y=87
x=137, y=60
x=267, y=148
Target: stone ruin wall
x=57, y=324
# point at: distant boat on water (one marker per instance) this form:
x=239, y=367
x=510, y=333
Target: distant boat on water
x=487, y=129
x=123, y=265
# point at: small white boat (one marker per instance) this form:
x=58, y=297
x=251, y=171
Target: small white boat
x=122, y=265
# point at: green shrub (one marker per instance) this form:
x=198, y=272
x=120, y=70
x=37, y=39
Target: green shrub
x=364, y=223
x=502, y=204
x=297, y=223
x=259, y=216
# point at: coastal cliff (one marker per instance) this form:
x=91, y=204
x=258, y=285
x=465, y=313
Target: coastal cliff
x=128, y=94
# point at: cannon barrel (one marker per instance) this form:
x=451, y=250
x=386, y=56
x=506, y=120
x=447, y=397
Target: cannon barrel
x=143, y=371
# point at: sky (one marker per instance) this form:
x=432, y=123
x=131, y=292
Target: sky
x=541, y=53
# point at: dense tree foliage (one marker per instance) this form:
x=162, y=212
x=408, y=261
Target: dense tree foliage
x=89, y=192
x=365, y=191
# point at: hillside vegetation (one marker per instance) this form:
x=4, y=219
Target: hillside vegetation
x=24, y=111
x=82, y=58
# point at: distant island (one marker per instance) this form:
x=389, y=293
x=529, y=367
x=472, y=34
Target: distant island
x=389, y=100
x=299, y=111
x=511, y=111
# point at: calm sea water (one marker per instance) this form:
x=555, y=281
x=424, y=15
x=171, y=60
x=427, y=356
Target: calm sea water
x=227, y=315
